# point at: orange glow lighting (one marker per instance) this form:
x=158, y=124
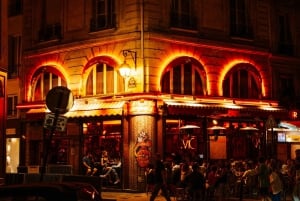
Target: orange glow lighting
x=174, y=54
x=53, y=64
x=227, y=68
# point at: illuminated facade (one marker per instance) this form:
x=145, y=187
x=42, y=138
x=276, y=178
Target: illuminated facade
x=237, y=65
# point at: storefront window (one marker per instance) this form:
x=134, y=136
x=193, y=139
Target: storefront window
x=57, y=146
x=184, y=141
x=103, y=135
x=59, y=149
x=12, y=154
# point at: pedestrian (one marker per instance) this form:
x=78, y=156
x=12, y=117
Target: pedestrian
x=276, y=185
x=263, y=172
x=195, y=183
x=296, y=189
x=160, y=179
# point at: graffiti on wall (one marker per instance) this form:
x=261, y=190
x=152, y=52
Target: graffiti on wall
x=143, y=149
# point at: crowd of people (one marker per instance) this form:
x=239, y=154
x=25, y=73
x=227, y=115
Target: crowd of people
x=265, y=178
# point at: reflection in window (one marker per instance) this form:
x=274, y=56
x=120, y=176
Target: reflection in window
x=184, y=76
x=103, y=79
x=240, y=23
x=103, y=15
x=182, y=15
x=43, y=81
x=242, y=82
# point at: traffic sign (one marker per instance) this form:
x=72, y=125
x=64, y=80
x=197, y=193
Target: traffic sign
x=60, y=124
x=59, y=100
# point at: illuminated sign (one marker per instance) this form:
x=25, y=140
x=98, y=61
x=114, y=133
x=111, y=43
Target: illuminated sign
x=142, y=107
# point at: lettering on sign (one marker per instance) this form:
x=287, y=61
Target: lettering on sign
x=187, y=143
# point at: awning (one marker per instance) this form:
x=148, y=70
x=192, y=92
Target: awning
x=193, y=109
x=94, y=113
x=291, y=125
x=83, y=108
x=177, y=108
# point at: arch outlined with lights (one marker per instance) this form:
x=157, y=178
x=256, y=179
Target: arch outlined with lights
x=197, y=67
x=91, y=64
x=239, y=65
x=51, y=67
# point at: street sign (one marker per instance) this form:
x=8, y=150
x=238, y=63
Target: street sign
x=60, y=124
x=59, y=100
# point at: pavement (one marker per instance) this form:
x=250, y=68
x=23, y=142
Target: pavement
x=134, y=196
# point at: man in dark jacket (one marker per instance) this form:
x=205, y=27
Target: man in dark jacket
x=195, y=183
x=160, y=179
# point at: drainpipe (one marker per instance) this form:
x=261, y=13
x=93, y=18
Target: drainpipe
x=144, y=72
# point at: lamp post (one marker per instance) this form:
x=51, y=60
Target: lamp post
x=124, y=68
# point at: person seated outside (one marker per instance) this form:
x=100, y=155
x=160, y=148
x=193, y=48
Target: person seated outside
x=88, y=163
x=107, y=170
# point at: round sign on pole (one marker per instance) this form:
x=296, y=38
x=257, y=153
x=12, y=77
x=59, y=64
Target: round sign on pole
x=59, y=100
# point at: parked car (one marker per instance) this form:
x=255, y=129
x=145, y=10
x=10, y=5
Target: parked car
x=62, y=191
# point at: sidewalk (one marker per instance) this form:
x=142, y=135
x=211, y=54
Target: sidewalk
x=122, y=196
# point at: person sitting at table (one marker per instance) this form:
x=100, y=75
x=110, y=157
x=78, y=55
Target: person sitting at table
x=88, y=163
x=107, y=170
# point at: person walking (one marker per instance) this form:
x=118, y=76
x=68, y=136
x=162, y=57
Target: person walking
x=195, y=184
x=160, y=179
x=263, y=172
x=276, y=185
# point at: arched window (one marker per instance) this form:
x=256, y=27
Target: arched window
x=184, y=76
x=103, y=79
x=44, y=80
x=242, y=81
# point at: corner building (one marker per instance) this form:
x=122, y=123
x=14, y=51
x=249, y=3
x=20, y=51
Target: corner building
x=202, y=79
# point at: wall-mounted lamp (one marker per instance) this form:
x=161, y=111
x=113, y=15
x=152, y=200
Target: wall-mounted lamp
x=125, y=69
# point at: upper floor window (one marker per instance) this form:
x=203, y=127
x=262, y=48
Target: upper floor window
x=286, y=91
x=103, y=15
x=240, y=21
x=103, y=79
x=50, y=24
x=14, y=55
x=14, y=7
x=12, y=101
x=43, y=81
x=285, y=45
x=182, y=14
x=184, y=76
x=242, y=81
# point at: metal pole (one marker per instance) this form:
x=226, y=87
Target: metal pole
x=47, y=143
